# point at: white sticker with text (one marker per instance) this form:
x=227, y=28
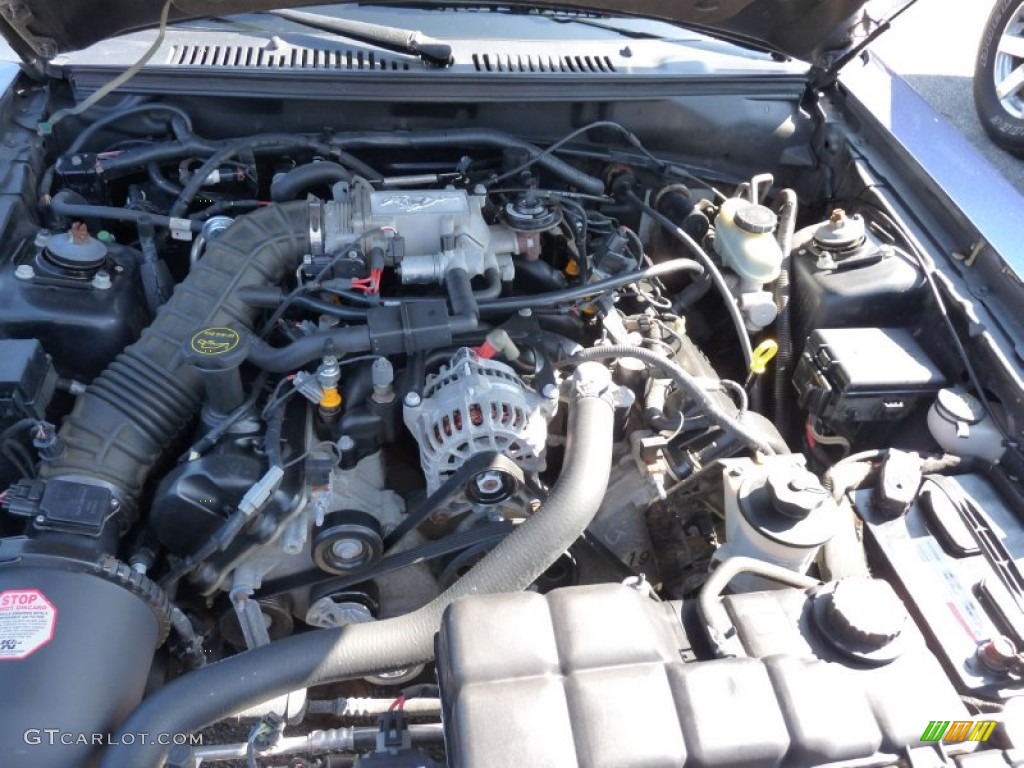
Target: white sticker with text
x=27, y=622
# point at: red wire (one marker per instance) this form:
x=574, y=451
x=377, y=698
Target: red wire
x=398, y=703
x=369, y=284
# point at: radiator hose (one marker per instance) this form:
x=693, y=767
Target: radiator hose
x=314, y=658
x=133, y=411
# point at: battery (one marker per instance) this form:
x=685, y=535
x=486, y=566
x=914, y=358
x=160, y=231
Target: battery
x=864, y=375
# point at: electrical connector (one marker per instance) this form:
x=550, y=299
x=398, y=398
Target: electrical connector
x=256, y=498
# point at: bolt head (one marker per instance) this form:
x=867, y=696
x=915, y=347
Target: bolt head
x=413, y=400
x=348, y=550
x=488, y=482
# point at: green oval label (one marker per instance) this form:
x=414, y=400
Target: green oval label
x=215, y=341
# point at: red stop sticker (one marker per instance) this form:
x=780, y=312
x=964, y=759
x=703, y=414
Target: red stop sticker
x=27, y=622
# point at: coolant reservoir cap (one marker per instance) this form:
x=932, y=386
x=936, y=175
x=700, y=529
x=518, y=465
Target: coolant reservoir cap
x=958, y=406
x=756, y=219
x=863, y=618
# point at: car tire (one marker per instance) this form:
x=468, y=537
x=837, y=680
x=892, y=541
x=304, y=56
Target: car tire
x=999, y=76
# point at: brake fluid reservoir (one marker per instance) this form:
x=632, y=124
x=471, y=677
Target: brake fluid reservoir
x=776, y=511
x=745, y=239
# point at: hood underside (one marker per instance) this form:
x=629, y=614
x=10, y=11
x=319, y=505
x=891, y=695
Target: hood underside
x=802, y=29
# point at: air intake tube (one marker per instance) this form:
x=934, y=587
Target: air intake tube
x=83, y=626
x=315, y=658
x=126, y=419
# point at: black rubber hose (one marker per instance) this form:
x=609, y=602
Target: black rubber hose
x=298, y=180
x=465, y=318
x=131, y=159
x=271, y=297
x=463, y=137
x=87, y=133
x=225, y=206
x=232, y=148
x=298, y=353
x=161, y=182
x=492, y=289
x=200, y=698
x=515, y=303
x=712, y=270
x=783, y=322
x=133, y=412
x=62, y=207
x=465, y=311
x=707, y=403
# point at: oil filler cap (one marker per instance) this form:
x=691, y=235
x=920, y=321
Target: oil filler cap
x=217, y=349
x=861, y=618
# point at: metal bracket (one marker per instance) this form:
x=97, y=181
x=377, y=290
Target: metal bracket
x=18, y=16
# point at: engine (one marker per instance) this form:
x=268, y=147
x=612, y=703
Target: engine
x=430, y=464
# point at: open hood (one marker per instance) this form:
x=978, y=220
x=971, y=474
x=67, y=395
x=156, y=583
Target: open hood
x=817, y=31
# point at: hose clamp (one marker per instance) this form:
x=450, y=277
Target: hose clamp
x=316, y=228
x=593, y=380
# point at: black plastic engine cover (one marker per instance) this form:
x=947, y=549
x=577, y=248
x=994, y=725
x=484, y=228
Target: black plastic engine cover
x=604, y=676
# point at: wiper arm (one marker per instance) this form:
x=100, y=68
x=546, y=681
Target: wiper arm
x=431, y=51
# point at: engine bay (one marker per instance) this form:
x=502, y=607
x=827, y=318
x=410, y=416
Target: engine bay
x=278, y=408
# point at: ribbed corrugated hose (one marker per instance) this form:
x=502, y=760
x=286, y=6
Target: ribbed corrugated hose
x=783, y=322
x=314, y=658
x=131, y=414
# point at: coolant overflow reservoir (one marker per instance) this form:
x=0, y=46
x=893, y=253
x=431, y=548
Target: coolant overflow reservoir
x=745, y=239
x=958, y=422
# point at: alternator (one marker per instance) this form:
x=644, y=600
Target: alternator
x=472, y=405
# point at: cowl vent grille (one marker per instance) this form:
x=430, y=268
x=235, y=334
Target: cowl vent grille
x=501, y=62
x=281, y=57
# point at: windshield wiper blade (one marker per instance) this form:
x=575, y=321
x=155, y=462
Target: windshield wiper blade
x=431, y=51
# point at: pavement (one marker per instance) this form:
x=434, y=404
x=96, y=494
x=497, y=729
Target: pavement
x=933, y=46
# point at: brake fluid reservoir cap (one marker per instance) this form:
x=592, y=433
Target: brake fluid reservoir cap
x=756, y=219
x=862, y=618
